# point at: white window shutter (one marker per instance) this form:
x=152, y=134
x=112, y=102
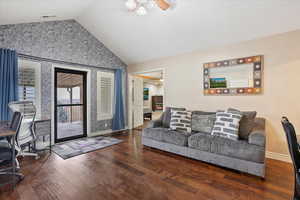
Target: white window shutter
x=27, y=76
x=105, y=95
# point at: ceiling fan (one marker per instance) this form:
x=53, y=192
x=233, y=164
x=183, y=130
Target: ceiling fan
x=141, y=7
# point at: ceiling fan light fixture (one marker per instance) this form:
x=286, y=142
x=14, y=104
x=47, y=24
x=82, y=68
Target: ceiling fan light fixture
x=141, y=7
x=164, y=5
x=151, y=4
x=141, y=11
x=172, y=3
x=142, y=1
x=131, y=4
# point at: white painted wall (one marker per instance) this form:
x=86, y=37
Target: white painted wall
x=183, y=82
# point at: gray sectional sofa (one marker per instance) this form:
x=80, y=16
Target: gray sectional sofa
x=245, y=155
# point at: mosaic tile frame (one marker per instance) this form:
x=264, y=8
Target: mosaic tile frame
x=257, y=76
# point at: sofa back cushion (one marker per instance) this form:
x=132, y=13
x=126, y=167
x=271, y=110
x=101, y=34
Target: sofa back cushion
x=181, y=121
x=166, y=118
x=227, y=125
x=246, y=124
x=203, y=121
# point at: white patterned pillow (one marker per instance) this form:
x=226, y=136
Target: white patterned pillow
x=227, y=125
x=181, y=121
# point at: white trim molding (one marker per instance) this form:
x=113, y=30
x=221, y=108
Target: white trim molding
x=278, y=156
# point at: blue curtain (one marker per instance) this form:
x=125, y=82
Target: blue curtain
x=8, y=81
x=118, y=122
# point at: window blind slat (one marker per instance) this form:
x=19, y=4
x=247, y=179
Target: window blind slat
x=106, y=84
x=26, y=83
x=26, y=76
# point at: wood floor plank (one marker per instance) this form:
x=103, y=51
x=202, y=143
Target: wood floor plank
x=134, y=172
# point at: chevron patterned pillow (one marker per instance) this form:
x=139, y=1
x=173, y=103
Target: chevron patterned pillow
x=181, y=121
x=227, y=125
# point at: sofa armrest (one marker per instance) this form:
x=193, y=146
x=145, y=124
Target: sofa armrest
x=258, y=134
x=155, y=124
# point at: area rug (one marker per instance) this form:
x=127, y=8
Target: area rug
x=84, y=145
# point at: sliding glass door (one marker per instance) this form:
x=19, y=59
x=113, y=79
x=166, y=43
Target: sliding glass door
x=70, y=104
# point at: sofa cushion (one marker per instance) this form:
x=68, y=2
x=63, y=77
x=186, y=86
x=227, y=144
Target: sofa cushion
x=240, y=149
x=246, y=124
x=175, y=137
x=154, y=133
x=154, y=124
x=167, y=116
x=227, y=125
x=181, y=121
x=258, y=134
x=203, y=122
x=200, y=141
x=166, y=135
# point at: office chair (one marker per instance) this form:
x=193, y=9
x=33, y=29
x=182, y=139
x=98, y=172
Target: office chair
x=25, y=136
x=295, y=154
x=6, y=149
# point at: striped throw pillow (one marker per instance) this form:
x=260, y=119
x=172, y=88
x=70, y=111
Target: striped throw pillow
x=181, y=121
x=227, y=125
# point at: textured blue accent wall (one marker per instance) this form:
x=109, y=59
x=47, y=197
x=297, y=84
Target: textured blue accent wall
x=66, y=41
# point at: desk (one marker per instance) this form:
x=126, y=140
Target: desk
x=5, y=131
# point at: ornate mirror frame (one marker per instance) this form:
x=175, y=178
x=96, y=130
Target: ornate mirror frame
x=257, y=62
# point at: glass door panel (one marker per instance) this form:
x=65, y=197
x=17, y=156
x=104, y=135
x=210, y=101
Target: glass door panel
x=70, y=104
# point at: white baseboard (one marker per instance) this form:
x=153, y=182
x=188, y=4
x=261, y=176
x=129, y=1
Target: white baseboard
x=278, y=156
x=99, y=133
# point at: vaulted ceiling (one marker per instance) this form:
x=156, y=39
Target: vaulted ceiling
x=25, y=11
x=193, y=25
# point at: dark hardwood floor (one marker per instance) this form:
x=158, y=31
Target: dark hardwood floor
x=131, y=171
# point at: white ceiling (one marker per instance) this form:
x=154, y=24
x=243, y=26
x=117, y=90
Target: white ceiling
x=23, y=11
x=193, y=25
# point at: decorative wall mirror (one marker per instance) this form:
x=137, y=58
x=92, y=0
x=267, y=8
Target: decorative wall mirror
x=233, y=77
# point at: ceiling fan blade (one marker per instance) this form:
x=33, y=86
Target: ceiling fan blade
x=162, y=4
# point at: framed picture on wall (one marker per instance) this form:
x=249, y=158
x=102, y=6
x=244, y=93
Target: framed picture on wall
x=146, y=94
x=239, y=76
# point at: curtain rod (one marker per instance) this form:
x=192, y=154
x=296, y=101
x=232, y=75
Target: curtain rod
x=62, y=62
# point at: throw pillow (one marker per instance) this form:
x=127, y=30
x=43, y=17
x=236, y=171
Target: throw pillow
x=181, y=121
x=246, y=124
x=203, y=121
x=227, y=125
x=167, y=116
